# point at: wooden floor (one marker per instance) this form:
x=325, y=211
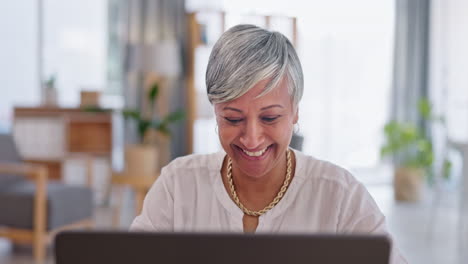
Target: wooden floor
x=419, y=242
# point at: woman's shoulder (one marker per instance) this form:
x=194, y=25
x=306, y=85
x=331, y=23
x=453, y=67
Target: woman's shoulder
x=210, y=161
x=317, y=170
x=193, y=166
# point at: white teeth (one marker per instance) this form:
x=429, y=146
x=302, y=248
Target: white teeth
x=255, y=154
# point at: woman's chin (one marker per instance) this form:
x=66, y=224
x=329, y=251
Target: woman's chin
x=254, y=166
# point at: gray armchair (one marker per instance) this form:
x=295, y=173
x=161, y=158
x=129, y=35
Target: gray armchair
x=33, y=209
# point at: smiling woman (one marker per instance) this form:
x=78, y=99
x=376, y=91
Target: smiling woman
x=255, y=131
x=257, y=184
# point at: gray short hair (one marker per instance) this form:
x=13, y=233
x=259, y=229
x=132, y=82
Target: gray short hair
x=247, y=54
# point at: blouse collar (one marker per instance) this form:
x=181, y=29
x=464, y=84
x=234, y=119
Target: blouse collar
x=216, y=163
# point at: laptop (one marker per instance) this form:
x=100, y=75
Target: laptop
x=98, y=247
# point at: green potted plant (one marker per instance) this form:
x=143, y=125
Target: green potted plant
x=142, y=157
x=50, y=92
x=415, y=154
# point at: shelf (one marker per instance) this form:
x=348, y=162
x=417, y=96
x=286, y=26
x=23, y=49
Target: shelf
x=50, y=135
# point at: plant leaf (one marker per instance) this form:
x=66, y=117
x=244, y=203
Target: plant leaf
x=161, y=127
x=446, y=169
x=425, y=108
x=153, y=93
x=51, y=81
x=156, y=124
x=131, y=113
x=143, y=126
x=174, y=116
x=164, y=130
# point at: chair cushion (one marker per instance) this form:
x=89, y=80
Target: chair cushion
x=65, y=204
x=7, y=180
x=8, y=153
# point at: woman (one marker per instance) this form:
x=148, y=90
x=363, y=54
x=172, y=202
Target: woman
x=257, y=184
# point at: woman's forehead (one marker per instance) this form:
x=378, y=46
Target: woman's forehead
x=277, y=96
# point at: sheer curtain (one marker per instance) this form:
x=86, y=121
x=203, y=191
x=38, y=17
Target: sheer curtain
x=449, y=57
x=411, y=66
x=448, y=81
x=346, y=50
x=140, y=30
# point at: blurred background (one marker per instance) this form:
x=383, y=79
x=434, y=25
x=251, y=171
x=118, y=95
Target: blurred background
x=89, y=89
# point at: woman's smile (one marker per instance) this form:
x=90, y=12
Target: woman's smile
x=254, y=154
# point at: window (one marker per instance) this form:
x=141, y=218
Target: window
x=75, y=47
x=346, y=50
x=18, y=66
x=449, y=82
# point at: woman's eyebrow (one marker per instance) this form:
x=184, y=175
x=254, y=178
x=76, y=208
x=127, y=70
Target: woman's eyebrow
x=232, y=109
x=271, y=106
x=262, y=109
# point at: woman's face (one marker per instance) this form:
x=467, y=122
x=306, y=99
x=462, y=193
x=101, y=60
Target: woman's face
x=255, y=132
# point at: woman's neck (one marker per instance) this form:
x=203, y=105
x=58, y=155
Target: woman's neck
x=272, y=180
x=257, y=192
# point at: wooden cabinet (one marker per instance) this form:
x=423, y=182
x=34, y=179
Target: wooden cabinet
x=204, y=28
x=48, y=135
x=89, y=133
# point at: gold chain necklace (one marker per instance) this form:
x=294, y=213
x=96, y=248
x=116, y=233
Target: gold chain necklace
x=274, y=202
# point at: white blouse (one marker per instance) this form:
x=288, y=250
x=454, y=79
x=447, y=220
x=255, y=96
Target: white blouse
x=322, y=197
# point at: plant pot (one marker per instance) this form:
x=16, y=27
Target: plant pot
x=408, y=184
x=50, y=96
x=163, y=144
x=141, y=160
x=89, y=99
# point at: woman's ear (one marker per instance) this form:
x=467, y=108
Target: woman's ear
x=296, y=116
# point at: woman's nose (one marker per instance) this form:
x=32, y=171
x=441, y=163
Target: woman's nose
x=252, y=136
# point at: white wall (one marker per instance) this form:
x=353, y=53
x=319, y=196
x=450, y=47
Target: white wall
x=19, y=83
x=449, y=64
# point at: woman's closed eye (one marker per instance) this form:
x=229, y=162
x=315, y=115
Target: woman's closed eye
x=270, y=119
x=265, y=119
x=233, y=120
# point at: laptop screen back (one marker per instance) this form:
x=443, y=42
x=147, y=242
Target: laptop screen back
x=93, y=247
